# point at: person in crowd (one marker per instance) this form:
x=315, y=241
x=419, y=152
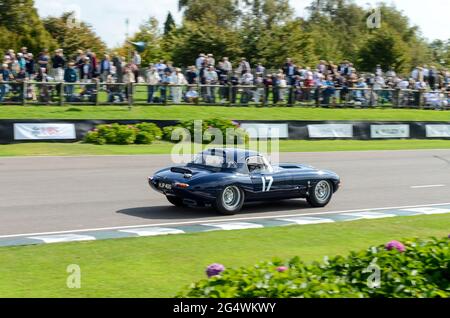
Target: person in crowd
x=58, y=65
x=105, y=68
x=117, y=64
x=128, y=80
x=43, y=60
x=191, y=75
x=259, y=91
x=260, y=69
x=166, y=80
x=210, y=60
x=247, y=80
x=178, y=81
x=211, y=78
x=227, y=67
x=5, y=76
x=152, y=78
x=289, y=71
x=192, y=96
x=114, y=91
x=29, y=65
x=70, y=77
x=136, y=62
x=244, y=66
x=86, y=71
x=200, y=61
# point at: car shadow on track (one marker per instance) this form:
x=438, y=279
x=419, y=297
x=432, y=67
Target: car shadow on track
x=174, y=213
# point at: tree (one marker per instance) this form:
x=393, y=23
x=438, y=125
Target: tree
x=20, y=26
x=289, y=40
x=260, y=19
x=169, y=25
x=386, y=49
x=224, y=13
x=193, y=38
x=73, y=36
x=150, y=34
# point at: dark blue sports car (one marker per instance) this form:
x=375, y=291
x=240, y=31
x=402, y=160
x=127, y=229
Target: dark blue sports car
x=227, y=178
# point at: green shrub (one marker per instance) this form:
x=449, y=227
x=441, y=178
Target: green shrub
x=144, y=138
x=144, y=133
x=150, y=128
x=126, y=135
x=422, y=270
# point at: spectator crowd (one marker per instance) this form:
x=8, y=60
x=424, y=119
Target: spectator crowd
x=211, y=80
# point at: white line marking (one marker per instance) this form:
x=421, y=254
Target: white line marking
x=222, y=220
x=428, y=186
x=307, y=220
x=428, y=210
x=229, y=226
x=63, y=238
x=153, y=231
x=372, y=215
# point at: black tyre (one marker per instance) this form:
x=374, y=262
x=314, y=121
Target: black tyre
x=320, y=194
x=230, y=200
x=175, y=201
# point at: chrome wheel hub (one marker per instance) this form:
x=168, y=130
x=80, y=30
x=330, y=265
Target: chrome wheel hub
x=231, y=198
x=322, y=191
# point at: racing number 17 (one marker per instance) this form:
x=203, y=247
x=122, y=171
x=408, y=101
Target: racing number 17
x=268, y=181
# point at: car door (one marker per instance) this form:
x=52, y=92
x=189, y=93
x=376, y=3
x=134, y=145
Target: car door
x=268, y=183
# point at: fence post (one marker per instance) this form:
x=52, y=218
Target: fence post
x=291, y=96
x=421, y=98
x=98, y=93
x=24, y=93
x=230, y=94
x=130, y=95
x=318, y=93
x=61, y=94
x=397, y=98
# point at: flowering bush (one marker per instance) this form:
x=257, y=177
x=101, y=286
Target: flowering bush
x=421, y=269
x=214, y=270
x=144, y=133
x=395, y=245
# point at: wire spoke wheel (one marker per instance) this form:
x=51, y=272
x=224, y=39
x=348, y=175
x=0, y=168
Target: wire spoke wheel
x=231, y=198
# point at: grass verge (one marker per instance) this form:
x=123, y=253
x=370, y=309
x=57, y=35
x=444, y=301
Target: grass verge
x=80, y=149
x=205, y=112
x=162, y=266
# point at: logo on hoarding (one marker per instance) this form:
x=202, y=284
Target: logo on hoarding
x=389, y=131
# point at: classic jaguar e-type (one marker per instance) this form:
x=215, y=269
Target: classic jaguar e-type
x=228, y=178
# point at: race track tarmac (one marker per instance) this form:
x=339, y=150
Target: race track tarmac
x=75, y=193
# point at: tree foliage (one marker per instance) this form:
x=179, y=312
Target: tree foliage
x=20, y=25
x=73, y=35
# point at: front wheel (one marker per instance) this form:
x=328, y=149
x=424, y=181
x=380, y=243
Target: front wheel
x=230, y=200
x=175, y=201
x=320, y=194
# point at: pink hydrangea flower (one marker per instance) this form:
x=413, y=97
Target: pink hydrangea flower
x=395, y=245
x=214, y=270
x=282, y=269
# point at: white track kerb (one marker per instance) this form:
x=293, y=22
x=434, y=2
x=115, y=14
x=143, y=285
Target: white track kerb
x=222, y=224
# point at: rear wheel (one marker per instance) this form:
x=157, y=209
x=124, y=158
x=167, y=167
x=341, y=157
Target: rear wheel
x=230, y=200
x=320, y=194
x=175, y=201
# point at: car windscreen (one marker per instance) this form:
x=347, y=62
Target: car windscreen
x=215, y=162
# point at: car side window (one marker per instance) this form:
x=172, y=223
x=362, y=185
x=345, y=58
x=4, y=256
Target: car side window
x=257, y=164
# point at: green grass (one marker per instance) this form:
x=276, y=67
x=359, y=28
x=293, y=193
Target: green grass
x=80, y=149
x=162, y=266
x=205, y=112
